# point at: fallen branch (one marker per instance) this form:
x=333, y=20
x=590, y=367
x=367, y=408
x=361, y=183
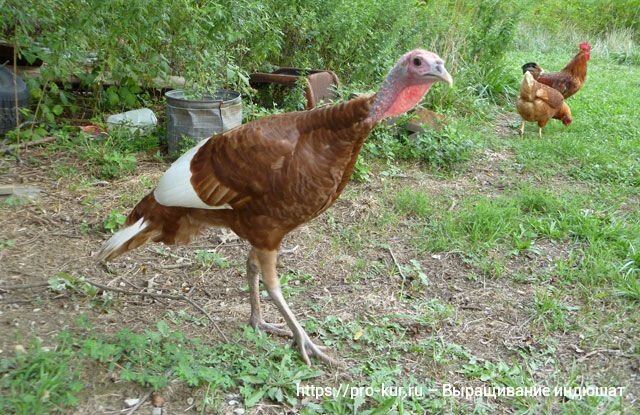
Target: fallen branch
x=140, y=402
x=39, y=142
x=127, y=292
x=27, y=144
x=168, y=296
x=597, y=351
x=395, y=261
x=23, y=287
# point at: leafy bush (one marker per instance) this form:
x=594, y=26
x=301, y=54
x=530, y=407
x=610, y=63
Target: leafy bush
x=217, y=43
x=108, y=156
x=441, y=149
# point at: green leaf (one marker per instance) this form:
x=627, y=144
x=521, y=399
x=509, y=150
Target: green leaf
x=163, y=328
x=113, y=98
x=63, y=98
x=385, y=407
x=254, y=397
x=252, y=379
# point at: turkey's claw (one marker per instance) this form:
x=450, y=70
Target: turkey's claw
x=271, y=328
x=308, y=348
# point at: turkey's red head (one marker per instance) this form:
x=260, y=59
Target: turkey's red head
x=406, y=84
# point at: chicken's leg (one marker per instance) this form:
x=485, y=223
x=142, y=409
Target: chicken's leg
x=267, y=260
x=256, y=321
x=540, y=132
x=522, y=130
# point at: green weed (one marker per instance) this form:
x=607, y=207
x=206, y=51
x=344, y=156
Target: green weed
x=40, y=380
x=6, y=243
x=209, y=257
x=113, y=221
x=154, y=357
x=550, y=310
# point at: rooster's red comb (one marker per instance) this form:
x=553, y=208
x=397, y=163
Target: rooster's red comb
x=585, y=46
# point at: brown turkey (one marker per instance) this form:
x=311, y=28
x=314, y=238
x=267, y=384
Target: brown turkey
x=265, y=178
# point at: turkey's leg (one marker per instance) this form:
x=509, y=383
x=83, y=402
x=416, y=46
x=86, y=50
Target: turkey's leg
x=267, y=260
x=256, y=321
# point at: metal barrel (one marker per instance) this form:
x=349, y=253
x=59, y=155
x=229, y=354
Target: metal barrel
x=200, y=117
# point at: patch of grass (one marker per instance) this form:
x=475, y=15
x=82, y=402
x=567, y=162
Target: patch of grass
x=181, y=317
x=358, y=270
x=440, y=150
x=105, y=158
x=444, y=149
x=155, y=357
x=602, y=145
x=40, y=380
x=432, y=313
x=479, y=224
x=411, y=202
x=487, y=231
x=351, y=236
x=65, y=282
x=629, y=288
x=291, y=283
x=384, y=333
x=631, y=267
x=14, y=201
x=549, y=310
x=210, y=257
x=416, y=275
x=441, y=352
x=502, y=374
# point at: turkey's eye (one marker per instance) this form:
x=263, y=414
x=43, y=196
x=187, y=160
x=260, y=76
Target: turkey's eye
x=417, y=62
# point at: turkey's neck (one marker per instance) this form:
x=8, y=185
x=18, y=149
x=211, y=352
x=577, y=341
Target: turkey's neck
x=396, y=96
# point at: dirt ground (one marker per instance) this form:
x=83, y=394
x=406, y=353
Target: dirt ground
x=491, y=316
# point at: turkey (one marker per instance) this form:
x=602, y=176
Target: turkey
x=265, y=178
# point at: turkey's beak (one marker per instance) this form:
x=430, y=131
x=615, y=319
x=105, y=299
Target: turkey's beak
x=439, y=73
x=446, y=77
x=443, y=75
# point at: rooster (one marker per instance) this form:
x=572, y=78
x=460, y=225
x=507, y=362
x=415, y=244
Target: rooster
x=539, y=102
x=265, y=178
x=570, y=79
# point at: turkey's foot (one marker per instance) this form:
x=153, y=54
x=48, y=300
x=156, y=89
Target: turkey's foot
x=271, y=328
x=308, y=349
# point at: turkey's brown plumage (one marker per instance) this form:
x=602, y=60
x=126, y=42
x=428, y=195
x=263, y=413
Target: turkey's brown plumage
x=276, y=174
x=266, y=178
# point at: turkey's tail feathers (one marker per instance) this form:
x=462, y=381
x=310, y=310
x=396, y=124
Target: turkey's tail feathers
x=150, y=220
x=123, y=240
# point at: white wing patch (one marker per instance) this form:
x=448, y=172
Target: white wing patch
x=175, y=189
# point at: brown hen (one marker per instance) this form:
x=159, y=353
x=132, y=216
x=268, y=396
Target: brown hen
x=539, y=103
